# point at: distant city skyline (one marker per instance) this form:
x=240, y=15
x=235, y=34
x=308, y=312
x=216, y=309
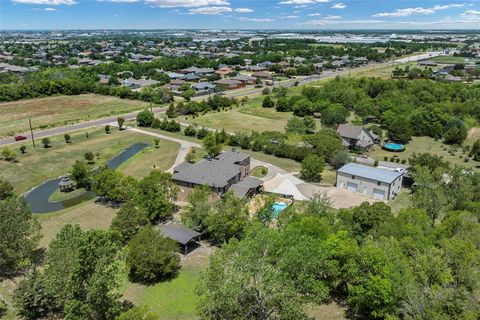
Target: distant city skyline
x=232, y=14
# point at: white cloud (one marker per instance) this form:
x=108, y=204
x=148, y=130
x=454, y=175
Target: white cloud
x=302, y=2
x=471, y=13
x=243, y=10
x=316, y=14
x=212, y=11
x=49, y=9
x=47, y=2
x=332, y=17
x=324, y=22
x=186, y=3
x=120, y=1
x=289, y=17
x=339, y=5
x=418, y=10
x=255, y=19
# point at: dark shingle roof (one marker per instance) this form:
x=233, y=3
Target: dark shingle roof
x=179, y=233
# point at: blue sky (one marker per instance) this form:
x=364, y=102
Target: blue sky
x=236, y=14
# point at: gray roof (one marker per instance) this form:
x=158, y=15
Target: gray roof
x=203, y=86
x=212, y=172
x=179, y=233
x=243, y=77
x=372, y=173
x=348, y=130
x=242, y=187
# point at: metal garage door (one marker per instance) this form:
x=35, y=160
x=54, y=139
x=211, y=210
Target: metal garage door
x=352, y=187
x=378, y=194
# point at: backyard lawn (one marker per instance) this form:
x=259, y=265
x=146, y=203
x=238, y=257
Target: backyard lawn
x=60, y=111
x=429, y=145
x=41, y=164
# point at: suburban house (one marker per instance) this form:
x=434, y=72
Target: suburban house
x=203, y=87
x=228, y=83
x=262, y=75
x=138, y=83
x=244, y=79
x=356, y=137
x=378, y=183
x=228, y=171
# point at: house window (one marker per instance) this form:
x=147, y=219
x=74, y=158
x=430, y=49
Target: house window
x=353, y=177
x=379, y=183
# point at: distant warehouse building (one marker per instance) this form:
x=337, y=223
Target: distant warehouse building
x=374, y=182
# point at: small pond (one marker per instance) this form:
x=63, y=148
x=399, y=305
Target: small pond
x=38, y=197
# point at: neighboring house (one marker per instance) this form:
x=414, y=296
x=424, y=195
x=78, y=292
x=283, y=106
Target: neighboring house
x=360, y=60
x=228, y=171
x=244, y=78
x=355, y=136
x=223, y=71
x=262, y=75
x=174, y=75
x=201, y=72
x=373, y=182
x=136, y=84
x=229, y=83
x=203, y=87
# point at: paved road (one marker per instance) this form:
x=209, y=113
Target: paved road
x=233, y=94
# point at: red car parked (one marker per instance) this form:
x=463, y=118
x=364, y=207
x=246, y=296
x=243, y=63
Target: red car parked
x=20, y=138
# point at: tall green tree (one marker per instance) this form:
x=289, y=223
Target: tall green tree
x=19, y=235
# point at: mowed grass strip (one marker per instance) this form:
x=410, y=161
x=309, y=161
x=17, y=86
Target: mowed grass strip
x=41, y=164
x=60, y=111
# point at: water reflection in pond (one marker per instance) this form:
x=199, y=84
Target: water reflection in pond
x=38, y=197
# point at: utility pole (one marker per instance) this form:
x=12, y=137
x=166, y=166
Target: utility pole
x=151, y=108
x=31, y=131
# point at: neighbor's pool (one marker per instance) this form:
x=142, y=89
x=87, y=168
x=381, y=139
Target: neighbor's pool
x=394, y=147
x=278, y=207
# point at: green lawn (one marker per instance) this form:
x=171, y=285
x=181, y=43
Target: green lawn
x=161, y=158
x=448, y=59
x=60, y=111
x=422, y=145
x=174, y=299
x=250, y=117
x=259, y=172
x=41, y=164
x=88, y=215
x=401, y=201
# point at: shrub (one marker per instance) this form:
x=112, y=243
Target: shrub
x=46, y=142
x=68, y=138
x=312, y=167
x=201, y=133
x=156, y=141
x=403, y=161
x=23, y=148
x=107, y=129
x=8, y=154
x=385, y=158
x=89, y=156
x=392, y=159
x=375, y=163
x=190, y=131
x=145, y=118
x=120, y=122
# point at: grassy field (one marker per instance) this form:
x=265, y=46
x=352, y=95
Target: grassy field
x=448, y=59
x=60, y=110
x=40, y=164
x=473, y=135
x=161, y=158
x=87, y=215
x=429, y=145
x=248, y=118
